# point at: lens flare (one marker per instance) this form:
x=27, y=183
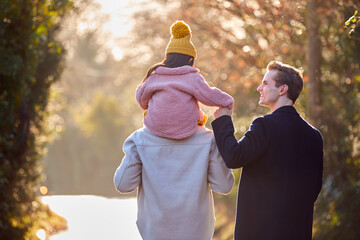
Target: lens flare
x=43, y=190
x=41, y=234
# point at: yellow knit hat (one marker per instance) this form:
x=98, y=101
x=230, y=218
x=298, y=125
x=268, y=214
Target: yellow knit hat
x=180, y=40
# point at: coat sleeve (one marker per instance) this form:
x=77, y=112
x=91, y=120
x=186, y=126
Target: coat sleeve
x=221, y=178
x=128, y=175
x=143, y=96
x=237, y=154
x=211, y=96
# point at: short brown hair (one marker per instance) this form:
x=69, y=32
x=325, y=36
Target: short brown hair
x=288, y=75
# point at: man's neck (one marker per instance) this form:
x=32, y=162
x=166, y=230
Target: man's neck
x=281, y=103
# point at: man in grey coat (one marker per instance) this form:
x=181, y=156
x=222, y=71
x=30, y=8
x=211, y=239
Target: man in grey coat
x=281, y=157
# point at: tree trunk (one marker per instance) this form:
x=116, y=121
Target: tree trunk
x=314, y=63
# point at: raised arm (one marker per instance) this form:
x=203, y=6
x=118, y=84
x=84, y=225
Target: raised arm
x=250, y=147
x=128, y=175
x=211, y=96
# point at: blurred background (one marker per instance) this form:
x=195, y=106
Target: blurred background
x=70, y=69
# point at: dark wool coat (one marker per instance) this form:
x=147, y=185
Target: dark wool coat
x=281, y=156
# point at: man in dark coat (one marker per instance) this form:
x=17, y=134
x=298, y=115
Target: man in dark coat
x=281, y=157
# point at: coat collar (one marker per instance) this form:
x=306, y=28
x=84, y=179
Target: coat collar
x=286, y=109
x=176, y=71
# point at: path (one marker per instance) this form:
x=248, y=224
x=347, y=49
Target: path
x=93, y=217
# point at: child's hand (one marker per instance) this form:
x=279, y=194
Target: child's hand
x=221, y=111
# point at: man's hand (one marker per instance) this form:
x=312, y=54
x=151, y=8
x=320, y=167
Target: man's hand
x=221, y=111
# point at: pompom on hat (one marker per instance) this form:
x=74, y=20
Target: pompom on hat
x=180, y=40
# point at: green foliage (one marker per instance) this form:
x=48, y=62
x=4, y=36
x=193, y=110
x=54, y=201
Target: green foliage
x=337, y=207
x=354, y=23
x=31, y=61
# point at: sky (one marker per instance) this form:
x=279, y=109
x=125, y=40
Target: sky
x=120, y=13
x=119, y=23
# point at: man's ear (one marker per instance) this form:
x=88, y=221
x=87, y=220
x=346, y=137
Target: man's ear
x=283, y=89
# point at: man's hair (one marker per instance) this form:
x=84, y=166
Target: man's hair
x=288, y=75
